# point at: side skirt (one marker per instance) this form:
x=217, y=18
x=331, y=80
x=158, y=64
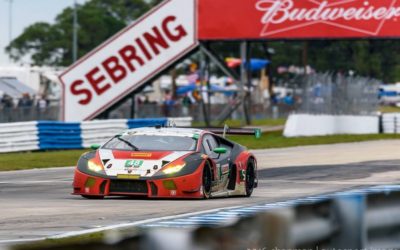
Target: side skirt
x=240, y=190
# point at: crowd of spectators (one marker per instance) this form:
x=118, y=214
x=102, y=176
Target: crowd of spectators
x=25, y=101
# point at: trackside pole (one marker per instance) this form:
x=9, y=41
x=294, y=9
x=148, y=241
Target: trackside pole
x=133, y=105
x=226, y=113
x=207, y=78
x=248, y=102
x=203, y=69
x=244, y=78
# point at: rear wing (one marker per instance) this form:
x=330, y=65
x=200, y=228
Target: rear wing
x=234, y=131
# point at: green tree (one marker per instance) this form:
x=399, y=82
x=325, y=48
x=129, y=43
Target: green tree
x=48, y=44
x=373, y=58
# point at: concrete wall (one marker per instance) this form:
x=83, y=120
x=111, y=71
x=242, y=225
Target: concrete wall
x=315, y=125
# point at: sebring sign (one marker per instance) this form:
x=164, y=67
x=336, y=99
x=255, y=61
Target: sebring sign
x=129, y=59
x=172, y=29
x=288, y=19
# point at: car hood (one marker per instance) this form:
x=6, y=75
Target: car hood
x=137, y=163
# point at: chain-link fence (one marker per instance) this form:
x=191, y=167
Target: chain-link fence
x=20, y=114
x=336, y=94
x=312, y=94
x=259, y=111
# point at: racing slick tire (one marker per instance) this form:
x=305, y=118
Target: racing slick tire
x=93, y=197
x=250, y=177
x=206, y=180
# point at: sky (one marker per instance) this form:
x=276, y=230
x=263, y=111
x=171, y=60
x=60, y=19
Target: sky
x=25, y=13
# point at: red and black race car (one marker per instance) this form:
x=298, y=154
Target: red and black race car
x=168, y=163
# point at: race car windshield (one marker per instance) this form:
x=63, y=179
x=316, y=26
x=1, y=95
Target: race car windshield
x=152, y=143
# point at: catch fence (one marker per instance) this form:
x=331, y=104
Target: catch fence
x=335, y=94
x=259, y=111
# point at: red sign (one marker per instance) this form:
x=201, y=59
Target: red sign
x=296, y=19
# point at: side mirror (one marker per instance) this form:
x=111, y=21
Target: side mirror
x=220, y=150
x=95, y=146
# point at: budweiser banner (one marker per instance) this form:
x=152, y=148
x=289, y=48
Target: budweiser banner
x=297, y=19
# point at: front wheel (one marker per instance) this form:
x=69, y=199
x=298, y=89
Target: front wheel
x=250, y=177
x=206, y=180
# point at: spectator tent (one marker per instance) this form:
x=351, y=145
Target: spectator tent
x=14, y=88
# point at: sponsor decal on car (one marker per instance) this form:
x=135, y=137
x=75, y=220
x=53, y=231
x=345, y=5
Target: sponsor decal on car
x=142, y=154
x=133, y=163
x=225, y=169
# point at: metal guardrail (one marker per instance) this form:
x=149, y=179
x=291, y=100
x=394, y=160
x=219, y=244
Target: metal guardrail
x=352, y=220
x=362, y=219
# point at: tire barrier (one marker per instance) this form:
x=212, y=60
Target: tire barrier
x=49, y=135
x=59, y=135
x=19, y=136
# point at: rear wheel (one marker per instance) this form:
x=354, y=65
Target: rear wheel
x=93, y=197
x=206, y=180
x=250, y=177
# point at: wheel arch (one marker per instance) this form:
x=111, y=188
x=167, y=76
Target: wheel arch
x=213, y=167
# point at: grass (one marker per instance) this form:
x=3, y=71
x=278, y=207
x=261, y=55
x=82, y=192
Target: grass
x=389, y=109
x=18, y=161
x=277, y=140
x=86, y=241
x=65, y=243
x=29, y=160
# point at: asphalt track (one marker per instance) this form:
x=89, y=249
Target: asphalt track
x=37, y=203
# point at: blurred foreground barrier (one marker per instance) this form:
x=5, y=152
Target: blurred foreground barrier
x=319, y=125
x=44, y=135
x=345, y=221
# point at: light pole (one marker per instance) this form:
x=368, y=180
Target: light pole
x=75, y=33
x=10, y=23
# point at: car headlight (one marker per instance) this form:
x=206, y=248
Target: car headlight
x=173, y=169
x=183, y=166
x=91, y=165
x=95, y=167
